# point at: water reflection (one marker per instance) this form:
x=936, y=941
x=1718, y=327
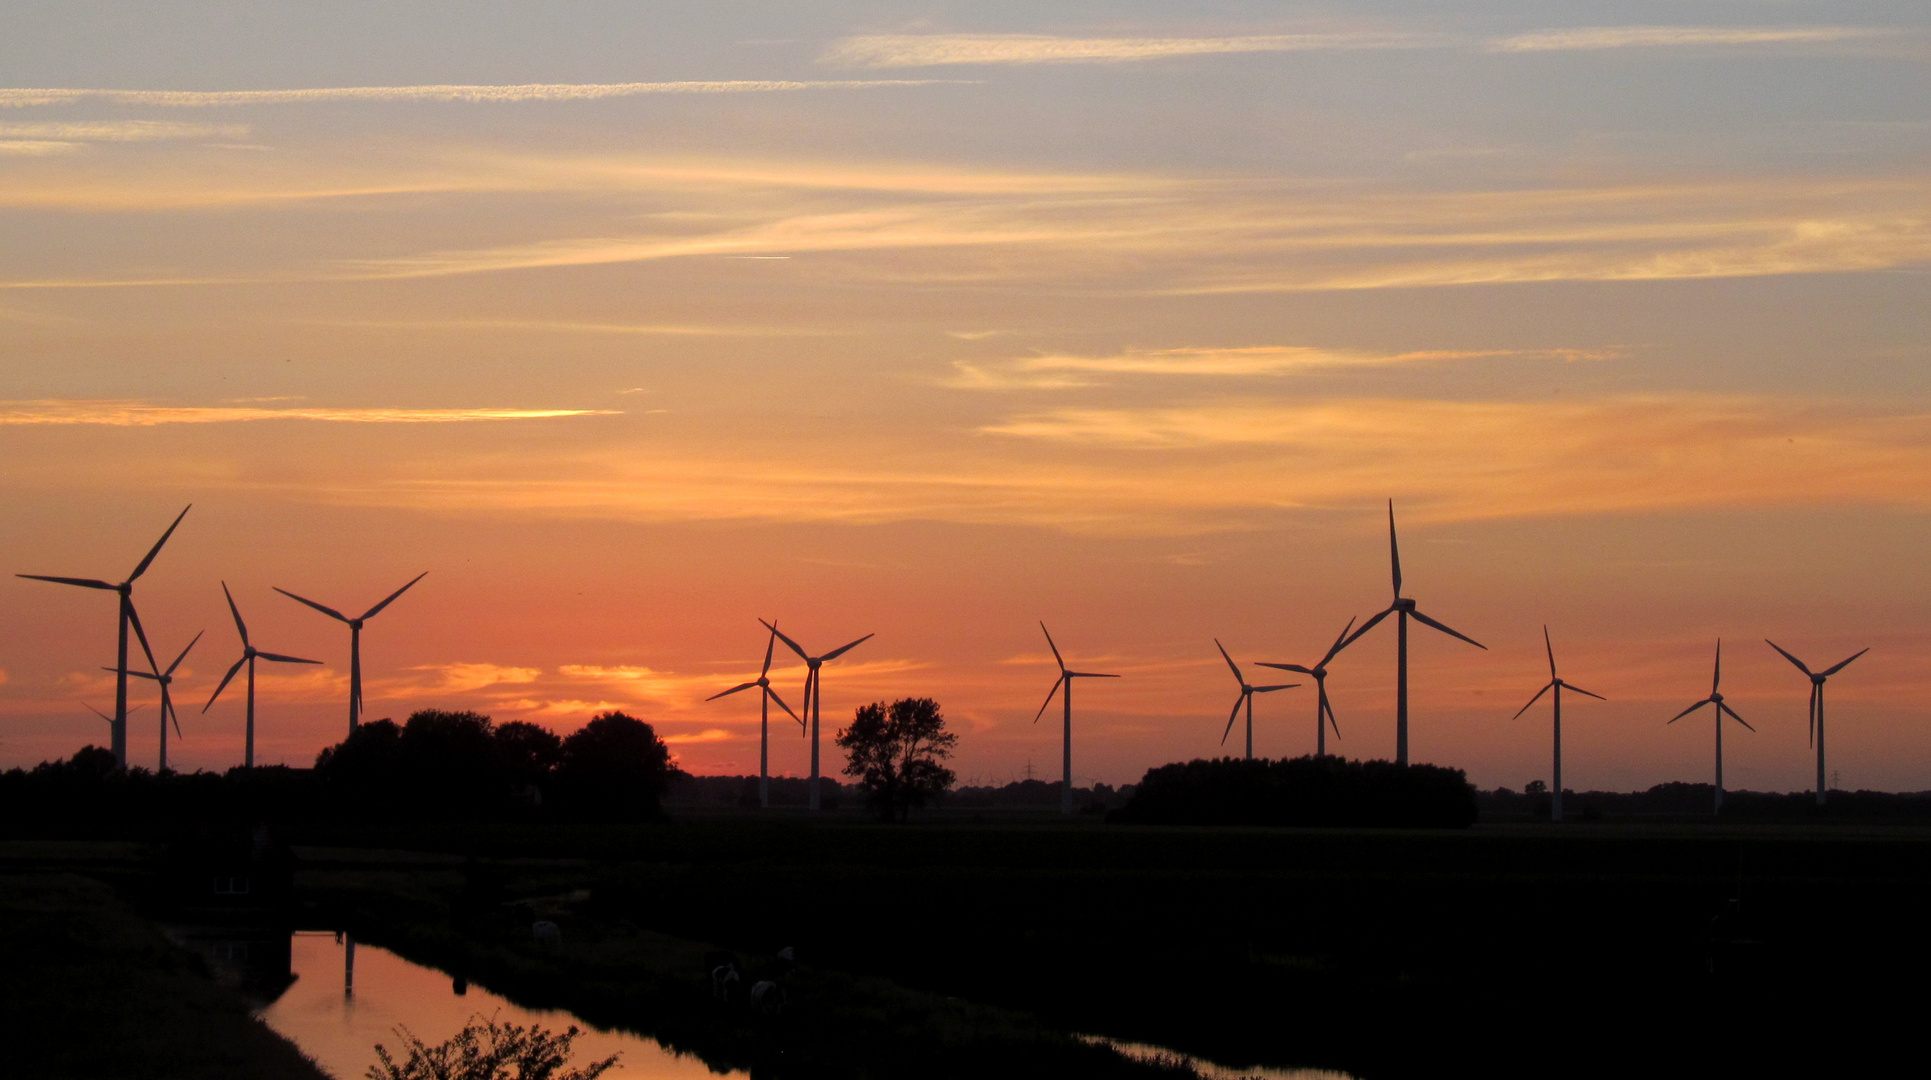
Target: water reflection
x=347, y=998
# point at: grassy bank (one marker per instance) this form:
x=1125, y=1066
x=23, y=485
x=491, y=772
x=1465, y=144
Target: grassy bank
x=91, y=990
x=616, y=972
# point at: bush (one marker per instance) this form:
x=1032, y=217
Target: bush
x=487, y=1050
x=1301, y=791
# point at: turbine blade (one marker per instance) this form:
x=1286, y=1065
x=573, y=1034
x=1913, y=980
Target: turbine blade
x=184, y=654
x=236, y=612
x=1577, y=689
x=1328, y=707
x=1533, y=700
x=1810, y=717
x=1394, y=549
x=1232, y=716
x=792, y=645
x=167, y=710
x=156, y=549
x=323, y=608
x=1829, y=671
x=770, y=643
x=1365, y=627
x=1426, y=621
x=134, y=620
x=224, y=682
x=1787, y=656
x=1049, y=697
x=1231, y=666
x=1688, y=711
x=1287, y=667
x=1733, y=714
x=1270, y=689
x=843, y=649
x=1552, y=651
x=1088, y=675
x=773, y=695
x=150, y=676
x=83, y=582
x=1716, y=673
x=1057, y=659
x=280, y=659
x=391, y=598
x=98, y=713
x=1339, y=642
x=733, y=690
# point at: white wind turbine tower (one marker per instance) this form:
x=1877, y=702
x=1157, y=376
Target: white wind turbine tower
x=1716, y=699
x=1066, y=730
x=166, y=679
x=127, y=617
x=355, y=640
x=1555, y=683
x=1403, y=609
x=814, y=691
x=1322, y=710
x=248, y=656
x=1817, y=706
x=1246, y=698
x=766, y=696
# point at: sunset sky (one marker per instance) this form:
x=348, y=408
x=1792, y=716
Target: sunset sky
x=633, y=323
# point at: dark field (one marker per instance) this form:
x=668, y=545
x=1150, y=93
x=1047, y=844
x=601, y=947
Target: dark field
x=1377, y=952
x=1573, y=948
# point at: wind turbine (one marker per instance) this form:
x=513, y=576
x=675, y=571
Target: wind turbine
x=355, y=641
x=1403, y=609
x=127, y=618
x=765, y=697
x=1555, y=683
x=248, y=655
x=165, y=678
x=813, y=690
x=1322, y=710
x=1816, y=705
x=1716, y=699
x=1246, y=698
x=1066, y=730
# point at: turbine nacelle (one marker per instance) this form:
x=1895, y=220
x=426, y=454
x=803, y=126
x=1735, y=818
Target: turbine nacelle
x=1402, y=603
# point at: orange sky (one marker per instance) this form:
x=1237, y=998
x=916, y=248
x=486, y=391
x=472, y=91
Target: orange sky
x=634, y=327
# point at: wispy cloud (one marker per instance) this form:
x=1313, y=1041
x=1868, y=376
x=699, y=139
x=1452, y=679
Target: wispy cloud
x=466, y=677
x=139, y=414
x=932, y=50
x=19, y=97
x=937, y=50
x=1032, y=372
x=1627, y=37
x=120, y=130
x=557, y=326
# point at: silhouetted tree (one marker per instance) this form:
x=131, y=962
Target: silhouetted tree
x=614, y=766
x=895, y=754
x=529, y=752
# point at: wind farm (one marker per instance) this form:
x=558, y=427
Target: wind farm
x=890, y=334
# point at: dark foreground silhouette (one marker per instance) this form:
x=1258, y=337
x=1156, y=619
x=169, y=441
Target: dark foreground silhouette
x=1301, y=791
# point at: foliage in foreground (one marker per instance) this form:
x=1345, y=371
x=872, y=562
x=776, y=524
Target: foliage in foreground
x=1301, y=791
x=487, y=1050
x=895, y=753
